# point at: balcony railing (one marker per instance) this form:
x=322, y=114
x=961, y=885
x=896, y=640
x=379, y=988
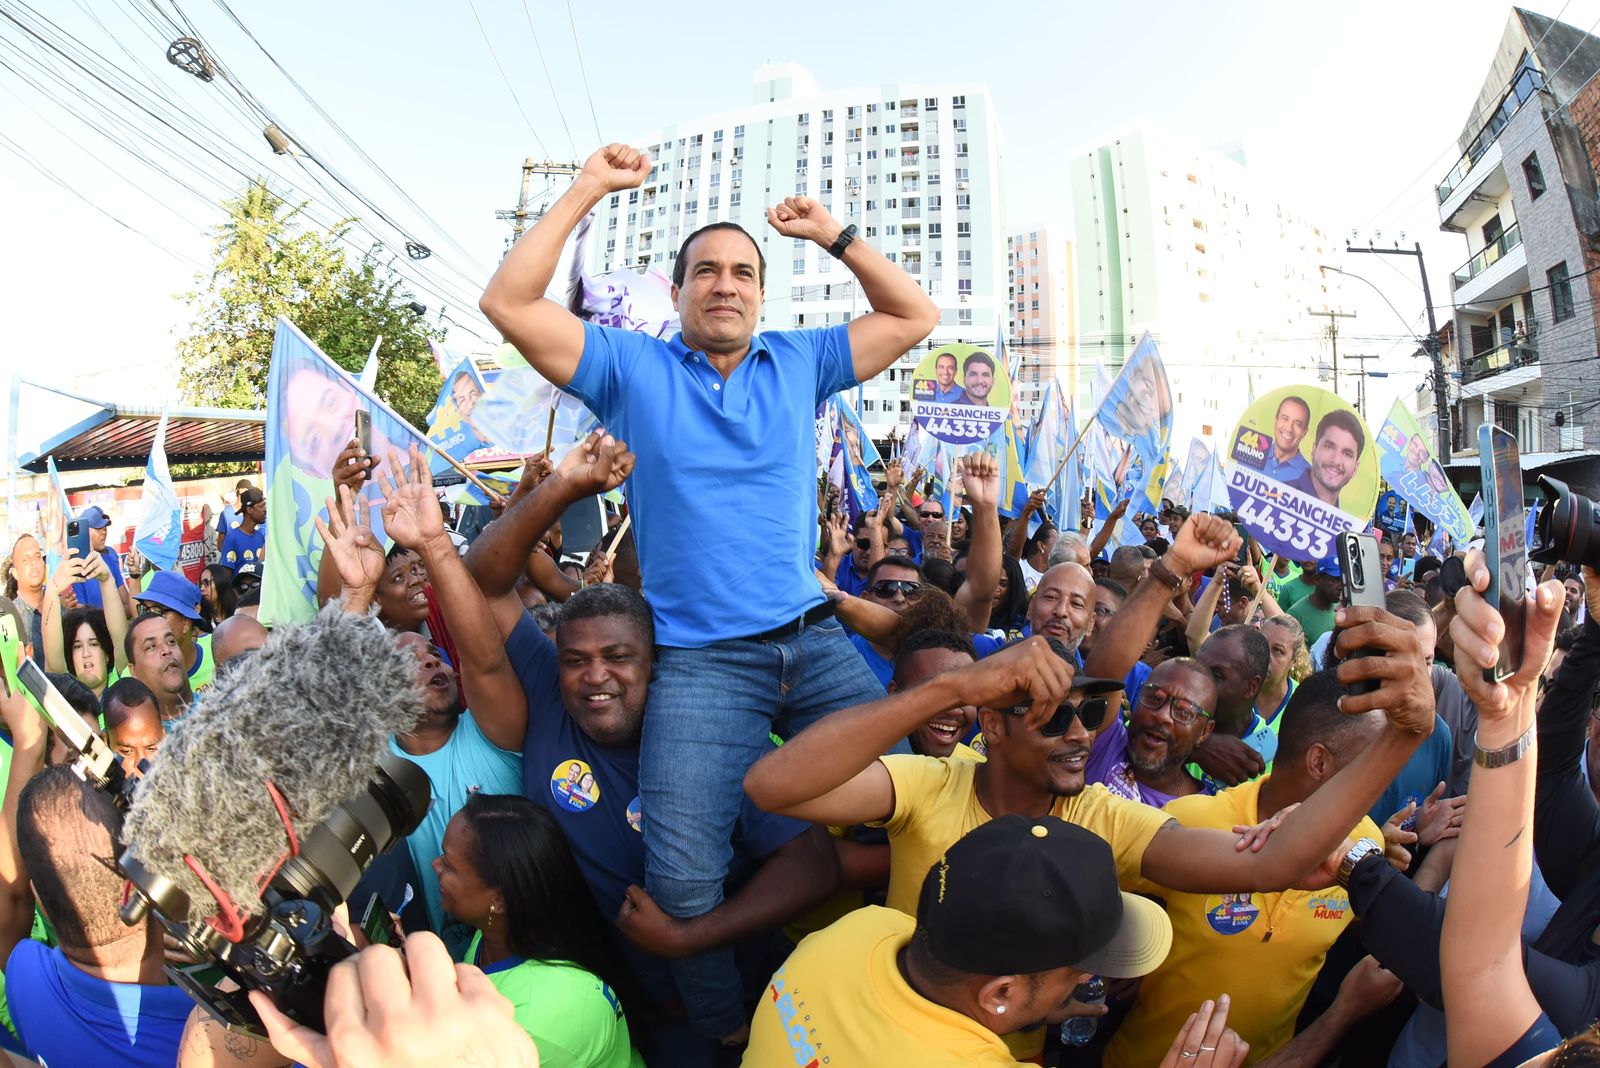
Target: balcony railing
x=1493, y=362
x=1524, y=84
x=1489, y=255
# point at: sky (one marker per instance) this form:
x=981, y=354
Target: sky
x=1350, y=112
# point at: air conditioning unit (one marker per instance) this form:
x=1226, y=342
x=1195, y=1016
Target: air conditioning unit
x=738, y=182
x=961, y=185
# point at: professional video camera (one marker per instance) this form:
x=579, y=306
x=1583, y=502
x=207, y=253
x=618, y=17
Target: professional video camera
x=1568, y=527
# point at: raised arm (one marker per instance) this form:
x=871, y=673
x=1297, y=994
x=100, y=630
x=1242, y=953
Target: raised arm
x=506, y=545
x=901, y=316
x=801, y=874
x=829, y=772
x=1488, y=1004
x=547, y=335
x=411, y=517
x=1103, y=535
x=116, y=612
x=1198, y=860
x=28, y=739
x=54, y=654
x=981, y=478
x=1198, y=629
x=1019, y=526
x=1203, y=542
x=351, y=469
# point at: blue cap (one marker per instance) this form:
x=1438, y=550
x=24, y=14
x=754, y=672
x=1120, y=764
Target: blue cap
x=94, y=517
x=1330, y=566
x=171, y=590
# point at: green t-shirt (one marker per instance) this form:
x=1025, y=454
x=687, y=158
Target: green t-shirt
x=205, y=667
x=574, y=1018
x=1313, y=620
x=1291, y=591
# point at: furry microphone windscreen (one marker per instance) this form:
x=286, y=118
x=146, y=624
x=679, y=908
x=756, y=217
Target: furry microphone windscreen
x=312, y=712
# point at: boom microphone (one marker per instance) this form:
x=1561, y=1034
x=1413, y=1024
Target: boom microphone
x=269, y=800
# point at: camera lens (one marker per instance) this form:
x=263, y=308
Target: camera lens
x=1568, y=528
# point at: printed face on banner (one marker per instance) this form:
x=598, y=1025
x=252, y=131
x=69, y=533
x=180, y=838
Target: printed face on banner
x=1139, y=401
x=1302, y=469
x=960, y=394
x=1406, y=459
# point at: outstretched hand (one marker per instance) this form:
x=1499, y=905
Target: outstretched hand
x=1476, y=632
x=355, y=549
x=411, y=514
x=599, y=465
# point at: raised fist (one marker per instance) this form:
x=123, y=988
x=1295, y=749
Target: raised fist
x=618, y=166
x=806, y=219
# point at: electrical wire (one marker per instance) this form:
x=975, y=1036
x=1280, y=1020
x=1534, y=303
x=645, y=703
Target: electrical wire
x=509, y=87
x=554, y=96
x=578, y=51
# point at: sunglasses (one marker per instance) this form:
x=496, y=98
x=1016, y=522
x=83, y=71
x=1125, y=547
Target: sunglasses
x=1091, y=712
x=931, y=515
x=890, y=587
x=1184, y=711
x=863, y=543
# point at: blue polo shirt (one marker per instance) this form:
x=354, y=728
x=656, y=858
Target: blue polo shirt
x=846, y=578
x=604, y=821
x=882, y=668
x=1285, y=471
x=723, y=495
x=65, y=1016
x=88, y=593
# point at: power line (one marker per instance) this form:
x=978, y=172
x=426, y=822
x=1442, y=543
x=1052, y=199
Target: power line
x=509, y=87
x=554, y=96
x=578, y=50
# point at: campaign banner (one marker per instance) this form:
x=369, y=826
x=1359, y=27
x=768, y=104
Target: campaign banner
x=1196, y=467
x=859, y=455
x=960, y=395
x=311, y=407
x=1137, y=410
x=1393, y=515
x=1301, y=471
x=451, y=426
x=158, y=533
x=1408, y=464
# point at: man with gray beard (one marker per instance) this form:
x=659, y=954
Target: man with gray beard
x=1143, y=759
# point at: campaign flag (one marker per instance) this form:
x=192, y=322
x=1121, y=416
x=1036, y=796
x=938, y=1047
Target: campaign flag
x=54, y=514
x=514, y=411
x=1408, y=464
x=859, y=456
x=1054, y=433
x=1137, y=410
x=452, y=429
x=825, y=433
x=311, y=406
x=1196, y=467
x=1013, y=487
x=921, y=451
x=1475, y=512
x=159, y=529
x=368, y=379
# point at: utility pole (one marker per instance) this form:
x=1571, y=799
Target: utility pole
x=521, y=216
x=1441, y=392
x=1333, y=318
x=1361, y=383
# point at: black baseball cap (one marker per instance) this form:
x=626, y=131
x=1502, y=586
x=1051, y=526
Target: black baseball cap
x=1017, y=896
x=251, y=496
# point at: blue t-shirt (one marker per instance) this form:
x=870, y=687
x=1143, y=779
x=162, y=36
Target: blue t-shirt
x=604, y=823
x=881, y=667
x=849, y=582
x=88, y=593
x=66, y=1017
x=1428, y=767
x=467, y=764
x=241, y=548
x=989, y=644
x=707, y=449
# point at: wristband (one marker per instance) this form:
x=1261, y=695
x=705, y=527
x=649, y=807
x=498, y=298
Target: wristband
x=1163, y=574
x=1499, y=758
x=842, y=242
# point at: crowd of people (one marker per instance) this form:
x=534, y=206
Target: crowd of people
x=763, y=781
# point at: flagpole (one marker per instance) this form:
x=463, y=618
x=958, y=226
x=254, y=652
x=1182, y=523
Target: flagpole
x=1062, y=466
x=468, y=475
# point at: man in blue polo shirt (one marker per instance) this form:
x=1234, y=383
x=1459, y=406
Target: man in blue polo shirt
x=88, y=593
x=1285, y=462
x=719, y=416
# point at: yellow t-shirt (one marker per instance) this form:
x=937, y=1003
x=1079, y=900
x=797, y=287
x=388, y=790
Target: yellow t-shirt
x=963, y=751
x=936, y=803
x=840, y=1000
x=1221, y=945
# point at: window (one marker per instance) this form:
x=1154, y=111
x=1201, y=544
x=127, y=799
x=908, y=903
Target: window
x=872, y=153
x=800, y=189
x=733, y=199
x=961, y=150
x=738, y=131
x=963, y=200
x=964, y=316
x=964, y=257
x=935, y=230
x=827, y=161
x=805, y=118
x=716, y=138
x=827, y=116
x=930, y=103
x=964, y=287
x=961, y=125
x=936, y=258
x=963, y=229
x=1560, y=293
x=716, y=177
x=633, y=196
x=711, y=202
x=1535, y=176
x=799, y=264
x=691, y=207
x=958, y=101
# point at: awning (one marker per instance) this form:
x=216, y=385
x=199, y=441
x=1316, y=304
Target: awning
x=84, y=433
x=1531, y=461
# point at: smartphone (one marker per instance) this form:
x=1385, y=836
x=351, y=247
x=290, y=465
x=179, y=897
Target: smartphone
x=1362, y=569
x=1505, y=543
x=378, y=923
x=10, y=648
x=1242, y=558
x=364, y=430
x=78, y=538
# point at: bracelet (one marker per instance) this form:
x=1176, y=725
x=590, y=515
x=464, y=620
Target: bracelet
x=1499, y=758
x=842, y=242
x=1162, y=573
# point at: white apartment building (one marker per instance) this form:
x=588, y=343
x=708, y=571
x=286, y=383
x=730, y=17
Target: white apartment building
x=1043, y=331
x=914, y=166
x=1182, y=241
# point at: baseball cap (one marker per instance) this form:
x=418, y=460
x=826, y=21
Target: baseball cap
x=251, y=496
x=171, y=590
x=250, y=573
x=1018, y=895
x=1330, y=566
x=94, y=517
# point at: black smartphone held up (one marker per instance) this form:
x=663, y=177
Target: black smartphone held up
x=1505, y=542
x=1362, y=570
x=364, y=430
x=1242, y=557
x=78, y=538
x=378, y=923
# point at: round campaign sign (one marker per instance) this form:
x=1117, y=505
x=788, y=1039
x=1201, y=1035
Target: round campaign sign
x=960, y=394
x=1302, y=469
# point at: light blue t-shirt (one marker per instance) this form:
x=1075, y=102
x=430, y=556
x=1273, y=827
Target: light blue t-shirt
x=723, y=494
x=465, y=765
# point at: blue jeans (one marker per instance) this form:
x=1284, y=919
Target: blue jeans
x=711, y=710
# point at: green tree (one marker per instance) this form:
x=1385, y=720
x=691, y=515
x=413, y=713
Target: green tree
x=266, y=263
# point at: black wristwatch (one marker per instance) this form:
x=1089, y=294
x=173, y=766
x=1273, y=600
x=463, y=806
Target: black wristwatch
x=842, y=242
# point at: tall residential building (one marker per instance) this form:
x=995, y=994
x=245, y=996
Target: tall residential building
x=916, y=167
x=1523, y=195
x=1043, y=331
x=1182, y=241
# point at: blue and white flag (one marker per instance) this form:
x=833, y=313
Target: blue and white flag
x=159, y=530
x=368, y=379
x=53, y=516
x=859, y=455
